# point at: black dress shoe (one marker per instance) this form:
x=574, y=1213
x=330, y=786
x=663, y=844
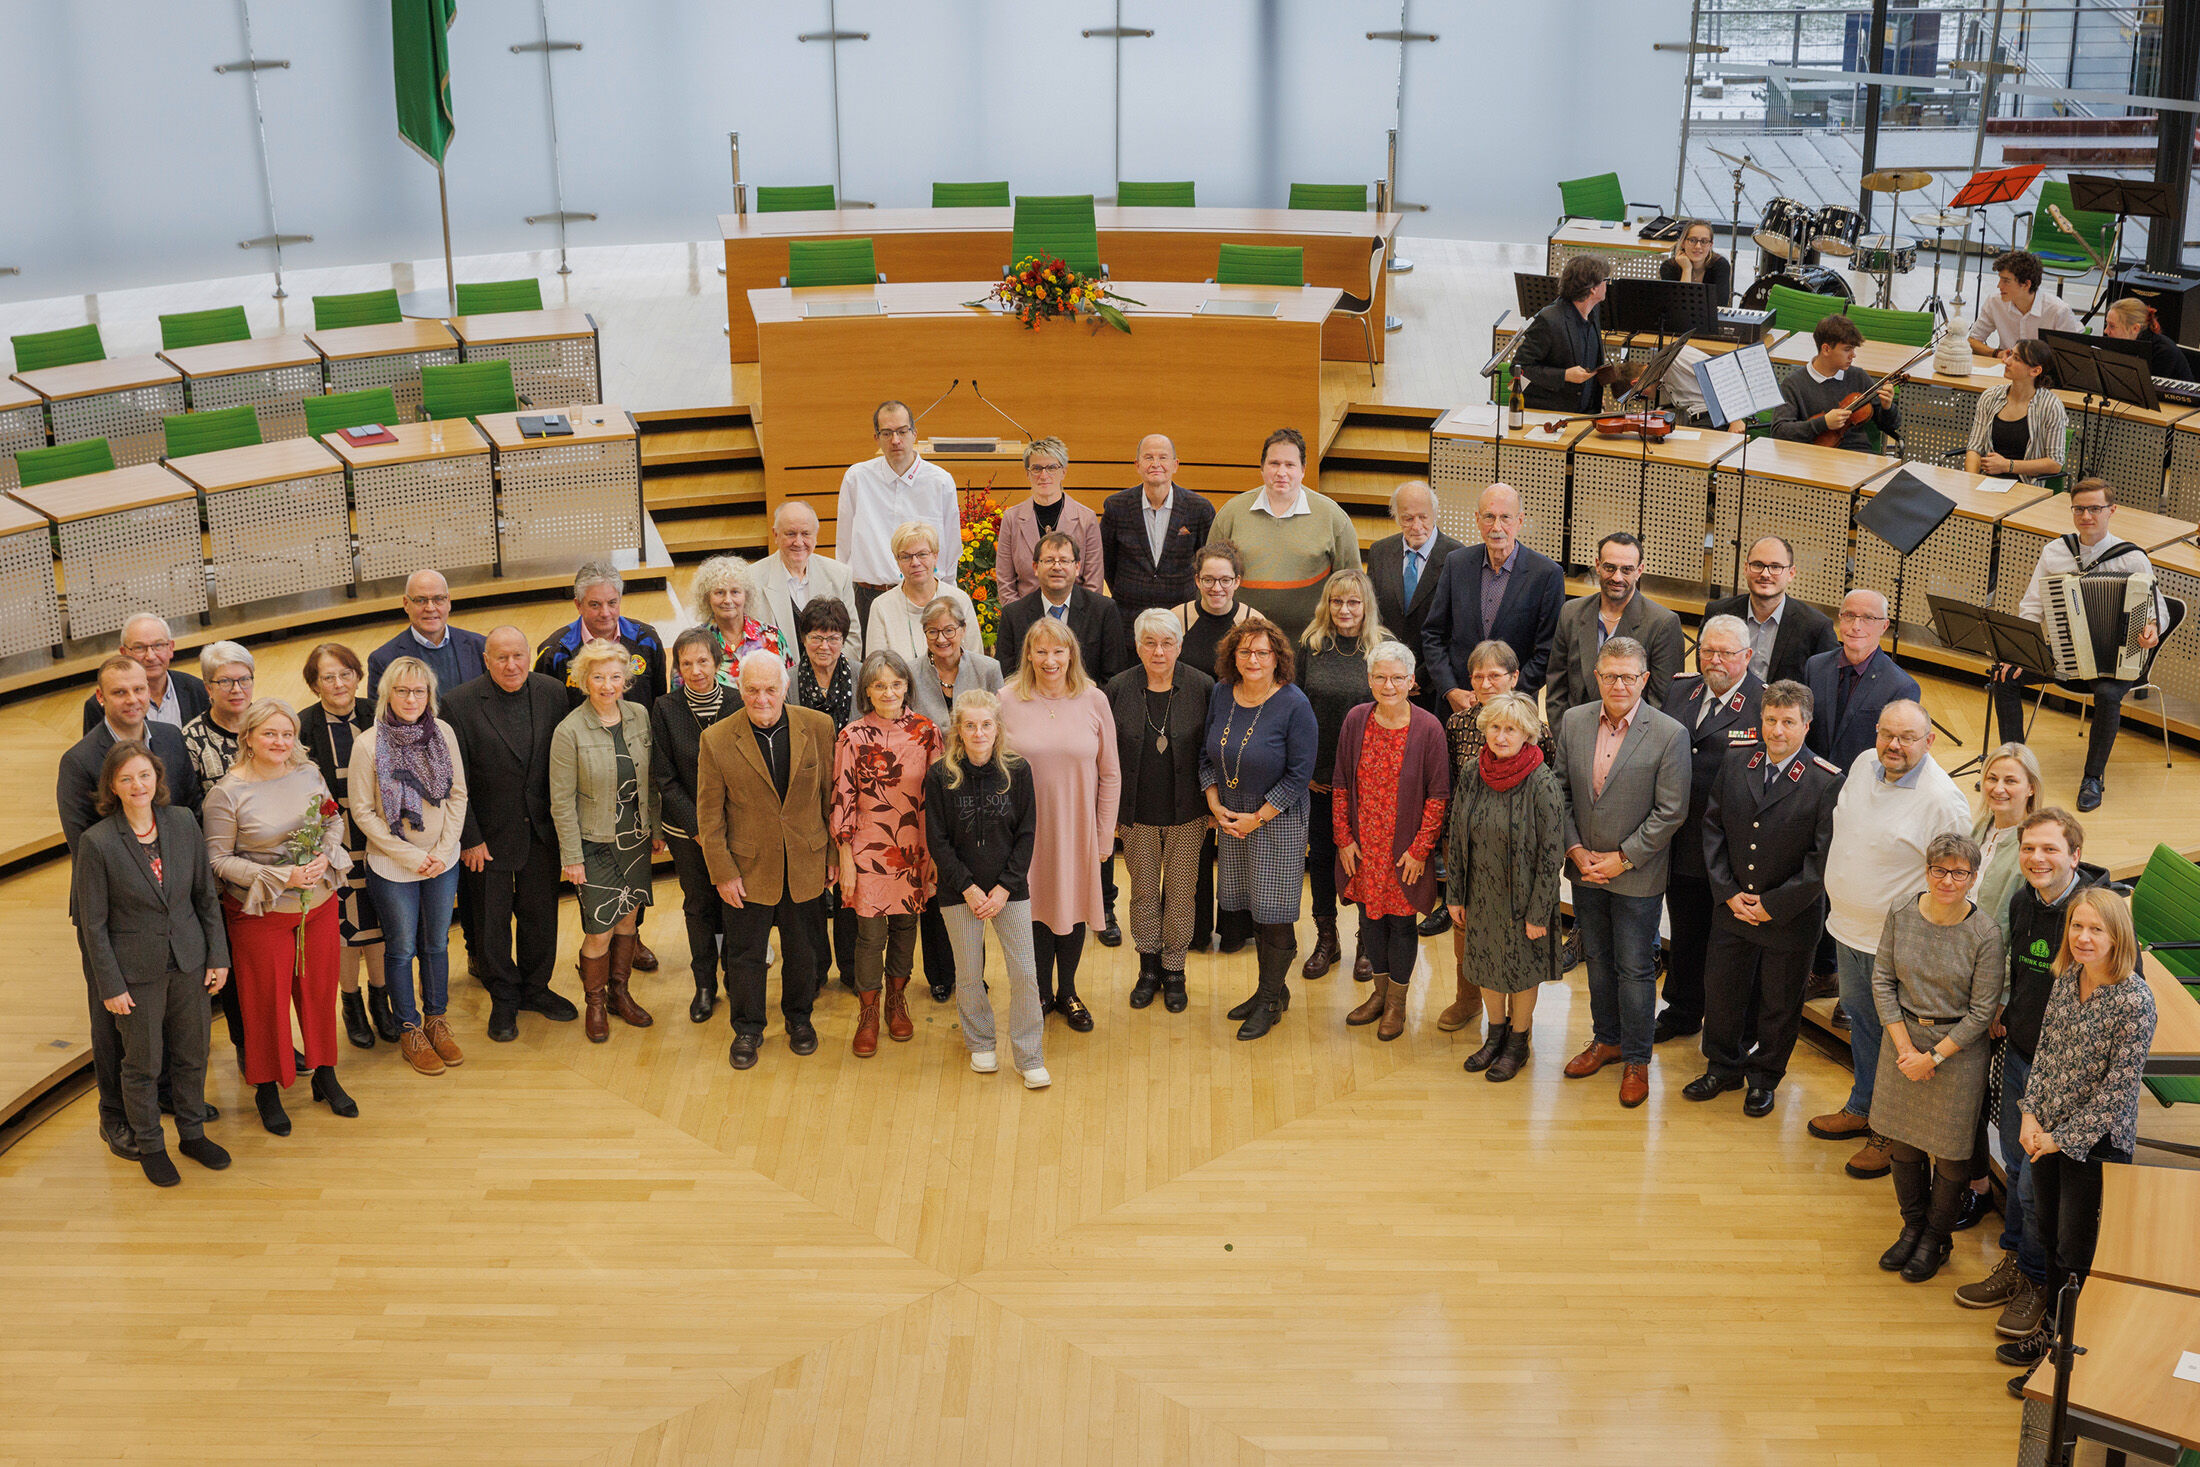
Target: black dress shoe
x=1110, y=935
x=743, y=1056
x=1667, y=1028
x=326, y=1088
x=117, y=1138
x=1265, y=1013
x=2089, y=796
x=205, y=1153
x=213, y=1111
x=705, y=1000
x=1975, y=1205
x=1757, y=1101
x=1708, y=1086
x=1173, y=997
x=942, y=992
x=1435, y=924
x=801, y=1037
x=159, y=1170
x=503, y=1022
x=553, y=1006
x=1075, y=1014
x=269, y=1099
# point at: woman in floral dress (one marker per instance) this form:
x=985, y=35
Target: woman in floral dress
x=723, y=593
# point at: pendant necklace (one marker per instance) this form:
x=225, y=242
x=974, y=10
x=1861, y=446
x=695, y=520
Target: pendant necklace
x=1161, y=734
x=1228, y=723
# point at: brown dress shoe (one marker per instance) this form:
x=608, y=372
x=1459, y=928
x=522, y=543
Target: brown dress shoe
x=1871, y=1160
x=623, y=949
x=421, y=1055
x=1590, y=1060
x=1394, y=1013
x=1370, y=1011
x=1363, y=971
x=645, y=961
x=866, y=1041
x=439, y=1035
x=1840, y=1126
x=595, y=988
x=897, y=1008
x=1634, y=1085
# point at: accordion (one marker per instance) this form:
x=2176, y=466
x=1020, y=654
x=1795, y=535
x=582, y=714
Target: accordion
x=2093, y=624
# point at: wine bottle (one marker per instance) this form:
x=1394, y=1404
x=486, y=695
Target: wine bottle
x=1513, y=417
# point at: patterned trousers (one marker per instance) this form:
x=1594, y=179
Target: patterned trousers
x=1164, y=868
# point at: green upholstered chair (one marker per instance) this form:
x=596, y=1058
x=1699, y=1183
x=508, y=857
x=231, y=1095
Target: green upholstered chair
x=1057, y=226
x=204, y=328
x=64, y=348
x=2165, y=908
x=830, y=262
x=489, y=297
x=1903, y=328
x=467, y=390
x=333, y=411
x=787, y=200
x=970, y=195
x=2059, y=250
x=1237, y=264
x=34, y=466
x=364, y=308
x=189, y=433
x=1344, y=197
x=1598, y=197
x=1177, y=195
x=1801, y=310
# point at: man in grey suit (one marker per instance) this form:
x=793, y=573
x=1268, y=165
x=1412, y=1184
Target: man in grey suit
x=794, y=574
x=1405, y=568
x=1624, y=766
x=1617, y=608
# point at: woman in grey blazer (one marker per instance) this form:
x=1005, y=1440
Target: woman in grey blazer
x=155, y=946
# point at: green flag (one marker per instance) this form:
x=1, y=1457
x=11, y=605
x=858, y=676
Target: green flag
x=421, y=47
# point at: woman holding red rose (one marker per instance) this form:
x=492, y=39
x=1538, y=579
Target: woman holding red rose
x=877, y=827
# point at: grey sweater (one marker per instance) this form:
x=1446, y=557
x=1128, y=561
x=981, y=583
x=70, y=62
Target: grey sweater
x=1805, y=402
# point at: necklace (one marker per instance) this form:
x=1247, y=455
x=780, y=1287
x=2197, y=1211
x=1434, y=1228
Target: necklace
x=1229, y=778
x=1161, y=733
x=145, y=835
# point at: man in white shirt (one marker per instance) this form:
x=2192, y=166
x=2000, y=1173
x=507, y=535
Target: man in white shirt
x=2091, y=549
x=2019, y=312
x=794, y=574
x=879, y=494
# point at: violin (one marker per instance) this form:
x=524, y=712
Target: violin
x=1652, y=424
x=1860, y=415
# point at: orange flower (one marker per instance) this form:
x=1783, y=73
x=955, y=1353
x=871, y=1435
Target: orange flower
x=978, y=592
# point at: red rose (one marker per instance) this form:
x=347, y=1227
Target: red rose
x=328, y=808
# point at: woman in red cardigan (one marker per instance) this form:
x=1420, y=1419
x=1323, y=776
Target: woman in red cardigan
x=1390, y=786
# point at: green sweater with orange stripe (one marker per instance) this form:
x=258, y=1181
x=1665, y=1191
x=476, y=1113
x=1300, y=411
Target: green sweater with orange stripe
x=1287, y=560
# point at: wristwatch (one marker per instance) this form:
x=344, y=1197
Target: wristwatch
x=1625, y=865
x=1938, y=1057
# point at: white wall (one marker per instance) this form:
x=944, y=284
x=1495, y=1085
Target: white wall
x=128, y=161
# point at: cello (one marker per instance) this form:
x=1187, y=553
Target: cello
x=1862, y=414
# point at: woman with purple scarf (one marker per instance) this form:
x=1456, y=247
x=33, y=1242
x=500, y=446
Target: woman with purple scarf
x=407, y=788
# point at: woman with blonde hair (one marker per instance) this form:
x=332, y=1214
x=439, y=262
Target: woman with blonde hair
x=1332, y=657
x=898, y=615
x=981, y=822
x=2132, y=319
x=725, y=597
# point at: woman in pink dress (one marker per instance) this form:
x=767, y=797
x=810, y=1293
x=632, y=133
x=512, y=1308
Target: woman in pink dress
x=878, y=831
x=1065, y=729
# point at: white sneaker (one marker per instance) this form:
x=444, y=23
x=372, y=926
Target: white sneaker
x=1037, y=1078
x=985, y=1061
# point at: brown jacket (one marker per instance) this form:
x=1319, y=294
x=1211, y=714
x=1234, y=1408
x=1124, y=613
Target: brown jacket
x=745, y=829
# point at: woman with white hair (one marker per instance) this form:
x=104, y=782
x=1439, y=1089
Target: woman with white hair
x=1160, y=723
x=726, y=600
x=899, y=614
x=210, y=740
x=1393, y=782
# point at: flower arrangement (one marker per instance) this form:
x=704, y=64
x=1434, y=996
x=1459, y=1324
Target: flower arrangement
x=981, y=533
x=1040, y=289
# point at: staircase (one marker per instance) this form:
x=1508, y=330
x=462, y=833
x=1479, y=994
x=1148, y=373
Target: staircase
x=1376, y=447
x=703, y=481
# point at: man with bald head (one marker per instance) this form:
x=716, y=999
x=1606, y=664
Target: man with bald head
x=174, y=698
x=1853, y=682
x=1150, y=535
x=794, y=574
x=1499, y=591
x=1405, y=568
x=453, y=654
x=508, y=854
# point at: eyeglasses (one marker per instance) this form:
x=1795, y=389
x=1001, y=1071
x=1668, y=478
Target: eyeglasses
x=1759, y=567
x=1721, y=654
x=2090, y=510
x=444, y=600
x=1256, y=652
x=1861, y=618
x=1620, y=679
x=1042, y=468
x=1060, y=561
x=824, y=639
x=1901, y=740
x=1949, y=873
x=139, y=648
x=907, y=432
x=232, y=684
x=941, y=634
x=1218, y=581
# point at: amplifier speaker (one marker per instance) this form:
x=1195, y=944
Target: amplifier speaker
x=2175, y=298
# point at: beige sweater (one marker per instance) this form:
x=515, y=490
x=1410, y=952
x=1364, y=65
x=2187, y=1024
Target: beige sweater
x=391, y=855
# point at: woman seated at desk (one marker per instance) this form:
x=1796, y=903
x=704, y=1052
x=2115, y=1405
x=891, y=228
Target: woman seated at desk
x=1694, y=259
x=2018, y=428
x=2133, y=320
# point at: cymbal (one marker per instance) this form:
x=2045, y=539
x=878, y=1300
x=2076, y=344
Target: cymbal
x=1948, y=220
x=1896, y=180
x=1746, y=163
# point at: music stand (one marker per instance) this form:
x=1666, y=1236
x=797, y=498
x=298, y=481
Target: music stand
x=1905, y=513
x=1988, y=186
x=1962, y=627
x=2103, y=367
x=2125, y=198
x=1661, y=307
x=1533, y=292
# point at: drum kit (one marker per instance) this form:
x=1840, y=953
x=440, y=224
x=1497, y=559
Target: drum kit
x=1791, y=237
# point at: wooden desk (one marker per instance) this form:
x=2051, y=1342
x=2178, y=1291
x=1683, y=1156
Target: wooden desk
x=385, y=356
x=2181, y=493
x=30, y=609
x=418, y=504
x=1101, y=391
x=275, y=374
x=22, y=425
x=2176, y=1046
x=556, y=356
x=1470, y=449
x=122, y=400
x=2177, y=665
x=1661, y=492
x=277, y=523
x=129, y=542
x=1632, y=257
x=2123, y=1389
x=1798, y=490
x=910, y=245
x=1957, y=559
x=2026, y=532
x=2147, y=1236
x=565, y=499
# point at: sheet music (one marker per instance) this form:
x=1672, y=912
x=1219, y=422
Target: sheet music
x=1474, y=415
x=1995, y=486
x=1738, y=384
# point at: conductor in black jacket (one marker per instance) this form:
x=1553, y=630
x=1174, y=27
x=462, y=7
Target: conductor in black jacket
x=1406, y=569
x=1783, y=632
x=1092, y=619
x=1561, y=355
x=504, y=721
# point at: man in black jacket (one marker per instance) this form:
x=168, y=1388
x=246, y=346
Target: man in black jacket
x=1783, y=632
x=1406, y=569
x=1092, y=619
x=1498, y=591
x=1138, y=575
x=598, y=595
x=175, y=698
x=504, y=721
x=1561, y=354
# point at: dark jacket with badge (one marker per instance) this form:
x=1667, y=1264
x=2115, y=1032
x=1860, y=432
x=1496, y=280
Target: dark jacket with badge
x=2035, y=936
x=1732, y=724
x=1771, y=843
x=646, y=673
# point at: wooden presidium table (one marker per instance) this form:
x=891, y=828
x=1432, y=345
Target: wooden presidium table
x=571, y=496
x=122, y=400
x=30, y=611
x=22, y=425
x=1219, y=383
x=385, y=356
x=129, y=542
x=276, y=519
x=419, y=504
x=275, y=374
x=555, y=355
x=1135, y=244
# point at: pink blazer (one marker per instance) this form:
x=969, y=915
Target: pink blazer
x=1018, y=546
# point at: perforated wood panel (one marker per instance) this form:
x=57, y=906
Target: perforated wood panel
x=279, y=539
x=130, y=420
x=1953, y=561
x=1607, y=497
x=1676, y=502
x=1936, y=420
x=1538, y=476
x=564, y=502
x=548, y=374
x=1459, y=470
x=2177, y=665
x=20, y=428
x=2020, y=553
x=1626, y=264
x=2127, y=453
x=2183, y=493
x=1815, y=520
x=410, y=515
x=277, y=397
x=400, y=373
x=142, y=559
x=30, y=612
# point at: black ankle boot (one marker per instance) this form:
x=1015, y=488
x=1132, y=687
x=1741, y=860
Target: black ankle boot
x=1912, y=1194
x=269, y=1099
x=1149, y=980
x=706, y=998
x=1493, y=1044
x=356, y=1027
x=1173, y=996
x=384, y=1013
x=326, y=1088
x=1940, y=1217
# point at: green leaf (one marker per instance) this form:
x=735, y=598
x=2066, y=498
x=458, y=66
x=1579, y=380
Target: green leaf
x=1112, y=316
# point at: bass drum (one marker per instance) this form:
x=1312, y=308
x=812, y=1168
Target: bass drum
x=1796, y=277
x=1785, y=229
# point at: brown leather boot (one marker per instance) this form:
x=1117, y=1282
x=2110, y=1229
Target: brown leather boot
x=897, y=1008
x=595, y=982
x=1377, y=999
x=1464, y=1009
x=1326, y=952
x=866, y=1042
x=1394, y=1012
x=622, y=968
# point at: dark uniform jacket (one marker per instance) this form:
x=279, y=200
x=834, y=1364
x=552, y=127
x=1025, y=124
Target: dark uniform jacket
x=1771, y=843
x=1731, y=724
x=645, y=675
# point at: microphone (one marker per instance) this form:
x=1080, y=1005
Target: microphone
x=999, y=409
x=940, y=399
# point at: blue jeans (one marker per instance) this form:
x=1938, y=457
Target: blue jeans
x=416, y=921
x=1864, y=1030
x=2018, y=1230
x=1619, y=934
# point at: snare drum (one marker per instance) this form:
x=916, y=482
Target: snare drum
x=1834, y=230
x=1875, y=253
x=1785, y=230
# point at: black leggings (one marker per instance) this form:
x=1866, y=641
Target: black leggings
x=1321, y=856
x=1908, y=1155
x=1392, y=945
x=2066, y=1212
x=1057, y=957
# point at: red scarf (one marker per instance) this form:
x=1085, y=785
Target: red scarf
x=1503, y=774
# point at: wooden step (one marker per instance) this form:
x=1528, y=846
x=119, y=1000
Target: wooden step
x=699, y=446
x=690, y=488
x=1362, y=488
x=694, y=417
x=1364, y=443
x=1392, y=415
x=708, y=534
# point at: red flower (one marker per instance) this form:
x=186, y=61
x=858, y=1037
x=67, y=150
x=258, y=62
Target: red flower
x=328, y=808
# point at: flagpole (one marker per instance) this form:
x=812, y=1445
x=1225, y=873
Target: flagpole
x=450, y=275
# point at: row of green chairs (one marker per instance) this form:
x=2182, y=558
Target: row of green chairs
x=1129, y=194
x=813, y=262
x=380, y=308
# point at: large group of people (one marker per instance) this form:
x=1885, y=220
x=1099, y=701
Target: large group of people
x=836, y=764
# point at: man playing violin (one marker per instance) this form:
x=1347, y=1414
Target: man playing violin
x=1816, y=400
